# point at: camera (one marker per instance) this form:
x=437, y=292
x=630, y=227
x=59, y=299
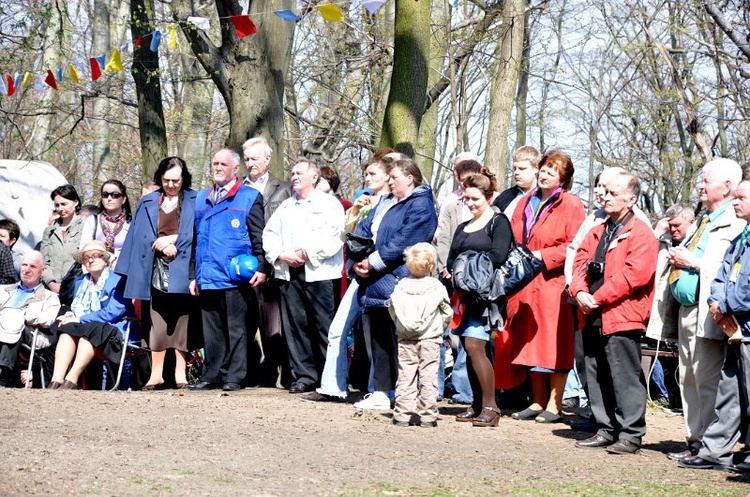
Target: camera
x=595, y=269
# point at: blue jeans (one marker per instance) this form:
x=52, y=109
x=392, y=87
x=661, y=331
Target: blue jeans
x=658, y=388
x=333, y=381
x=460, y=377
x=574, y=388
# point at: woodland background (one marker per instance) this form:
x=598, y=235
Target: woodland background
x=656, y=86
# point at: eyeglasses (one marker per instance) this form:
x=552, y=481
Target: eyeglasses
x=111, y=194
x=91, y=257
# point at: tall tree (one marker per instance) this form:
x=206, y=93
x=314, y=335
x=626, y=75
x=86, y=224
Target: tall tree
x=145, y=71
x=407, y=94
x=248, y=72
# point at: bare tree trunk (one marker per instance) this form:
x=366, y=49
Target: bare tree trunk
x=406, y=98
x=101, y=150
x=523, y=83
x=249, y=73
x=502, y=94
x=145, y=70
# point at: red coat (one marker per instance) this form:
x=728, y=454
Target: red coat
x=540, y=320
x=626, y=295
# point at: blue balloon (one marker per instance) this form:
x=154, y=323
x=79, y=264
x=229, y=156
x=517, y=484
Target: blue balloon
x=243, y=267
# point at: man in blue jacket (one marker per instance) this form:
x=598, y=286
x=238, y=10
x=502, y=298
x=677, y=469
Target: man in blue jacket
x=228, y=222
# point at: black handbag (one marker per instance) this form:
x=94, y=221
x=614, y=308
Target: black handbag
x=519, y=268
x=160, y=273
x=358, y=247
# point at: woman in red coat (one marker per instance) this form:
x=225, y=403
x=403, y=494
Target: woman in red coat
x=540, y=320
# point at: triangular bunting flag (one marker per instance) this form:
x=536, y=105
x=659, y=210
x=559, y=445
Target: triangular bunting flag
x=288, y=15
x=137, y=43
x=60, y=74
x=96, y=71
x=172, y=37
x=202, y=22
x=155, y=40
x=372, y=6
x=331, y=12
x=102, y=60
x=11, y=86
x=3, y=89
x=17, y=80
x=74, y=74
x=50, y=79
x=126, y=47
x=243, y=25
x=39, y=85
x=26, y=79
x=114, y=64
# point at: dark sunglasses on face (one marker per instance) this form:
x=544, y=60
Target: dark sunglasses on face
x=111, y=194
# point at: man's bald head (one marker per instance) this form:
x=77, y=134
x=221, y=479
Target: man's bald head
x=32, y=267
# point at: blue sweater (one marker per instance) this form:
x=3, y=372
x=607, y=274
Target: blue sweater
x=410, y=221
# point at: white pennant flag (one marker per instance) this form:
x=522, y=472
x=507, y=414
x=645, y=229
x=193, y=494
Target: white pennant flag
x=201, y=22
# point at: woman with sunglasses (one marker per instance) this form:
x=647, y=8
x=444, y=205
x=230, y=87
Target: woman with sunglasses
x=96, y=320
x=113, y=221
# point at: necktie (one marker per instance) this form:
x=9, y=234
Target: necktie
x=217, y=195
x=676, y=272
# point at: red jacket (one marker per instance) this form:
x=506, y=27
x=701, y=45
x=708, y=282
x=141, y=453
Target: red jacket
x=627, y=292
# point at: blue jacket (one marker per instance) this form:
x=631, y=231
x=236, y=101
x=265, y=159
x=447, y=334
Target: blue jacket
x=136, y=261
x=232, y=227
x=115, y=308
x=732, y=291
x=407, y=222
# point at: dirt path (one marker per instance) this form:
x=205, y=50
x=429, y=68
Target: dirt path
x=267, y=442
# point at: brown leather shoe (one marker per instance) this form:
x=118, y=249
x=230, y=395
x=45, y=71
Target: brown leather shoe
x=594, y=442
x=623, y=446
x=467, y=416
x=488, y=417
x=69, y=385
x=54, y=385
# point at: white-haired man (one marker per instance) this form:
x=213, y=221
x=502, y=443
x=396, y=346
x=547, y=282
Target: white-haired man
x=695, y=263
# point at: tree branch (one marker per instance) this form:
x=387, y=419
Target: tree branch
x=726, y=27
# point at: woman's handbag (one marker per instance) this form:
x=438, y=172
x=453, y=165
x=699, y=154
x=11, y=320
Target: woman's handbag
x=160, y=273
x=358, y=247
x=519, y=268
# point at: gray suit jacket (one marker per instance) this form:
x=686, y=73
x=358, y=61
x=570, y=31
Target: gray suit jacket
x=276, y=191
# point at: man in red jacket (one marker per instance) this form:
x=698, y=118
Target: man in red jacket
x=613, y=284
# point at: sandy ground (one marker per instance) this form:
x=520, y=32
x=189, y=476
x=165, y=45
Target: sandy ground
x=268, y=442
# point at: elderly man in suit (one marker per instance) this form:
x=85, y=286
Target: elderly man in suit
x=275, y=364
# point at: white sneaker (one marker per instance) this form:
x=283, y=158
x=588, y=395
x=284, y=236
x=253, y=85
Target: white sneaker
x=377, y=401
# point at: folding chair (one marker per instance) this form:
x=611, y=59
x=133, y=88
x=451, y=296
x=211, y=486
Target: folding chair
x=129, y=349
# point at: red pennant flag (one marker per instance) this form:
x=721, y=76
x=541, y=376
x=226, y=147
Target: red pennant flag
x=137, y=43
x=50, y=79
x=96, y=71
x=11, y=86
x=244, y=26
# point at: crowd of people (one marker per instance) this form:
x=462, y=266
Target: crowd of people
x=287, y=275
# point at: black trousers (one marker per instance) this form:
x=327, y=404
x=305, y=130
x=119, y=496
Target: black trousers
x=306, y=315
x=380, y=333
x=616, y=385
x=225, y=314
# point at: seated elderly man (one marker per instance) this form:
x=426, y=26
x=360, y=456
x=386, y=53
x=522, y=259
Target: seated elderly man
x=23, y=307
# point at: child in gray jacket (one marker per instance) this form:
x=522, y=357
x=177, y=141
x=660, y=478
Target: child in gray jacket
x=420, y=309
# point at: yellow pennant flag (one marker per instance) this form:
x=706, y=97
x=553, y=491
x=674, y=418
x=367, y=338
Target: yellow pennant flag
x=172, y=37
x=114, y=64
x=330, y=12
x=74, y=74
x=26, y=79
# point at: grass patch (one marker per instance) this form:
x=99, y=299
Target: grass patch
x=635, y=489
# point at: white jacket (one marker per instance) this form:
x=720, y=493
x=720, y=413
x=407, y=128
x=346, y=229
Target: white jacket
x=420, y=308
x=40, y=311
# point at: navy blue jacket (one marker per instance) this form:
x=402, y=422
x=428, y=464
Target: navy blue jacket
x=232, y=227
x=136, y=261
x=734, y=296
x=410, y=221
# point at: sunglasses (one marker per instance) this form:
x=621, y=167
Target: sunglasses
x=111, y=194
x=92, y=257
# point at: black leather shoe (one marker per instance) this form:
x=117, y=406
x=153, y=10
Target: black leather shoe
x=740, y=467
x=231, y=387
x=679, y=456
x=203, y=385
x=594, y=442
x=624, y=447
x=299, y=388
x=698, y=462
